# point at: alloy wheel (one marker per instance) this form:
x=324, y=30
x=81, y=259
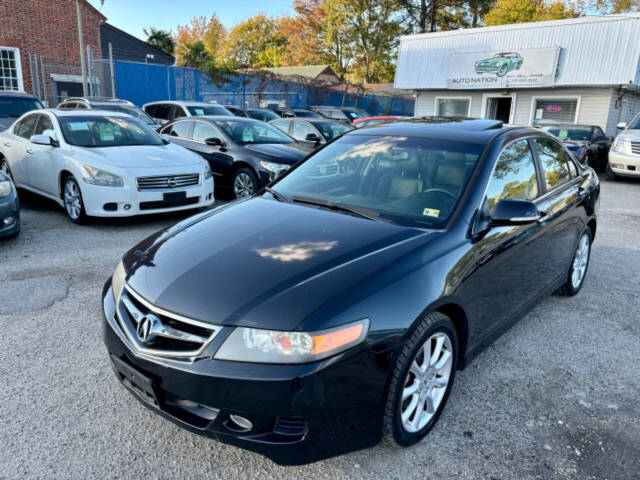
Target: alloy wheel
x=426, y=382
x=580, y=261
x=243, y=185
x=72, y=199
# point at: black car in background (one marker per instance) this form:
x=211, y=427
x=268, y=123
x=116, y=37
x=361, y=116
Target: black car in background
x=312, y=132
x=335, y=307
x=588, y=143
x=244, y=154
x=342, y=114
x=296, y=112
x=13, y=105
x=9, y=205
x=264, y=114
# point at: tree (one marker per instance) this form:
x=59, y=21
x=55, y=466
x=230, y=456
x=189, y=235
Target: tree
x=303, y=35
x=161, y=39
x=255, y=42
x=210, y=32
x=520, y=11
x=195, y=55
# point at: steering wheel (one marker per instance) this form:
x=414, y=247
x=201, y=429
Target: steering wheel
x=442, y=191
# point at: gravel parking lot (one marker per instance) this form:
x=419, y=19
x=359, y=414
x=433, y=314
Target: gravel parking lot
x=555, y=397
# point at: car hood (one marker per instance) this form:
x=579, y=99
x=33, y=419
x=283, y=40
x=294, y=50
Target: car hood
x=262, y=263
x=142, y=156
x=629, y=135
x=288, y=153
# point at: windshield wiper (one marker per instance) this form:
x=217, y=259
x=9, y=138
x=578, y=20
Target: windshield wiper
x=360, y=212
x=277, y=195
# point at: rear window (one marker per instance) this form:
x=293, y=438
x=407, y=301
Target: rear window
x=208, y=110
x=16, y=107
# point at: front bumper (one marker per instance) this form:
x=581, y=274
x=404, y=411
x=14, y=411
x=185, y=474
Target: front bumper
x=624, y=164
x=9, y=215
x=486, y=68
x=127, y=202
x=300, y=413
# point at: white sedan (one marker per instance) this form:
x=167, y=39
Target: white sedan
x=102, y=164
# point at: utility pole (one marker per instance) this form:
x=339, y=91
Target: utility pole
x=113, y=75
x=81, y=41
x=433, y=16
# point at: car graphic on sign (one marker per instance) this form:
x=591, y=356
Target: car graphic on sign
x=500, y=64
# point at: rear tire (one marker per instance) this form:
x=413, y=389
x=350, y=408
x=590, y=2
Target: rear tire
x=579, y=265
x=422, y=378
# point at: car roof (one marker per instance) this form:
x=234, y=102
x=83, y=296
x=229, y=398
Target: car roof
x=185, y=103
x=14, y=93
x=213, y=118
x=85, y=113
x=475, y=131
x=316, y=120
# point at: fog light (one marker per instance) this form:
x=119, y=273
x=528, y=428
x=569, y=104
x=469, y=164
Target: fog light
x=198, y=409
x=617, y=165
x=127, y=206
x=8, y=221
x=243, y=424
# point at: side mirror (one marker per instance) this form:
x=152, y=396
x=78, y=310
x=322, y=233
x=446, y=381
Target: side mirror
x=611, y=139
x=43, y=140
x=312, y=137
x=621, y=125
x=165, y=138
x=214, y=142
x=514, y=212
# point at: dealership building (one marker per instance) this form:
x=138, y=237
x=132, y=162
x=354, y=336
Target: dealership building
x=583, y=71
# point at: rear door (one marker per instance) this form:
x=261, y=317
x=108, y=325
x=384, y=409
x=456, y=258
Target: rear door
x=41, y=159
x=16, y=146
x=563, y=192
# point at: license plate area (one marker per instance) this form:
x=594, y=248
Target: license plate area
x=139, y=384
x=174, y=197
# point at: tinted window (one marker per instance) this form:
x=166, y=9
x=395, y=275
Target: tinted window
x=179, y=129
x=553, y=162
x=306, y=113
x=514, y=175
x=353, y=114
x=570, y=133
x=282, y=125
x=252, y=132
x=598, y=134
x=264, y=115
x=301, y=130
x=94, y=131
x=16, y=107
x=202, y=131
x=406, y=180
x=200, y=111
x=177, y=112
x=161, y=110
x=25, y=127
x=45, y=127
x=331, y=130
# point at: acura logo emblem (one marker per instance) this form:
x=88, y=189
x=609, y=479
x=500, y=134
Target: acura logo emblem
x=171, y=182
x=147, y=328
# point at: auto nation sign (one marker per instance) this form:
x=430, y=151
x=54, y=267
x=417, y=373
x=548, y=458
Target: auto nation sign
x=534, y=67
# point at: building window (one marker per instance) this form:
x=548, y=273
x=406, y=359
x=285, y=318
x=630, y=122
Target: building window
x=10, y=69
x=453, y=107
x=561, y=110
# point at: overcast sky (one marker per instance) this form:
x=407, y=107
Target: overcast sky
x=134, y=15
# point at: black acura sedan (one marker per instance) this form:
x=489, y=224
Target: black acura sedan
x=244, y=154
x=334, y=307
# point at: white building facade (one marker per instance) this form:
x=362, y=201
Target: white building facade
x=581, y=71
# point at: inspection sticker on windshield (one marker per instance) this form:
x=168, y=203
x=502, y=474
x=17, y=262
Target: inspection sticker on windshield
x=78, y=126
x=431, y=212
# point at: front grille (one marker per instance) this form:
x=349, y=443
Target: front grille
x=635, y=148
x=162, y=204
x=168, y=181
x=155, y=331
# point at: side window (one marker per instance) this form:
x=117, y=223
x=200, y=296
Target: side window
x=179, y=129
x=162, y=111
x=45, y=127
x=301, y=130
x=25, y=127
x=553, y=161
x=151, y=110
x=598, y=134
x=176, y=112
x=514, y=176
x=282, y=125
x=202, y=131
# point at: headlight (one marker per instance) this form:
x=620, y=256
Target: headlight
x=117, y=281
x=207, y=171
x=5, y=189
x=276, y=168
x=618, y=145
x=272, y=346
x=96, y=176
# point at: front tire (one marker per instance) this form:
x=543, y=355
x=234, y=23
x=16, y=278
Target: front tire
x=72, y=198
x=421, y=380
x=610, y=175
x=504, y=69
x=244, y=183
x=579, y=265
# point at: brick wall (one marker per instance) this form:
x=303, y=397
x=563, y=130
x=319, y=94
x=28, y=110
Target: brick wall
x=48, y=28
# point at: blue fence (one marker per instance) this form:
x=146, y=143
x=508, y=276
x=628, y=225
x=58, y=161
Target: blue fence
x=142, y=83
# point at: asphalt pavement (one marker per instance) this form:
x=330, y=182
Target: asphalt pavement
x=555, y=397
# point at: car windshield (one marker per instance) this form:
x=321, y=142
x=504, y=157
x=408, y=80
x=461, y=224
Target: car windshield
x=405, y=180
x=569, y=133
x=252, y=132
x=331, y=130
x=635, y=123
x=306, y=113
x=353, y=114
x=98, y=131
x=133, y=111
x=264, y=115
x=16, y=106
x=200, y=111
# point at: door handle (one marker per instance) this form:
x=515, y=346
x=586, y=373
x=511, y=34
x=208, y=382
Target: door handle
x=543, y=217
x=7, y=144
x=29, y=151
